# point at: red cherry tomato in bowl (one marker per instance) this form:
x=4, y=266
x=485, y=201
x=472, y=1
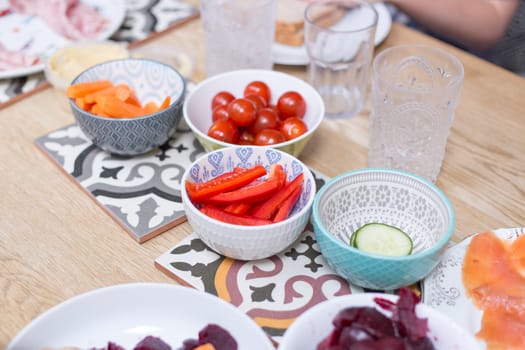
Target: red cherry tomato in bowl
x=224, y=130
x=293, y=127
x=242, y=112
x=291, y=104
x=266, y=119
x=269, y=137
x=219, y=112
x=222, y=98
x=259, y=88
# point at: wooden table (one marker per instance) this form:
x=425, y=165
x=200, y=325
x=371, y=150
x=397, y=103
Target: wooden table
x=55, y=242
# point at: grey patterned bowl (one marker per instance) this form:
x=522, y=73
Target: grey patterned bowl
x=151, y=81
x=411, y=203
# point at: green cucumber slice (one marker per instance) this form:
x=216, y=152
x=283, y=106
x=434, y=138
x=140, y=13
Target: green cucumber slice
x=382, y=239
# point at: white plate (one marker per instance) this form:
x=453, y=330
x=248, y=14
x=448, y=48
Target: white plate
x=443, y=288
x=296, y=55
x=33, y=34
x=315, y=324
x=127, y=313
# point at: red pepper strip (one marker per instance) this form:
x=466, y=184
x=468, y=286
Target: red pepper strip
x=238, y=208
x=257, y=192
x=225, y=182
x=267, y=209
x=221, y=215
x=286, y=207
x=277, y=171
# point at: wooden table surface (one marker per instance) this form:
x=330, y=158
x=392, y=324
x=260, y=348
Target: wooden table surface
x=55, y=242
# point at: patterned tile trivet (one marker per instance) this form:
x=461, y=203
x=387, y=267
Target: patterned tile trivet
x=141, y=193
x=273, y=291
x=143, y=19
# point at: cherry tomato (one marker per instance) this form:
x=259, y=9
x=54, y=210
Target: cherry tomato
x=266, y=119
x=242, y=112
x=219, y=112
x=224, y=130
x=269, y=137
x=293, y=127
x=257, y=100
x=291, y=104
x=222, y=98
x=246, y=138
x=258, y=88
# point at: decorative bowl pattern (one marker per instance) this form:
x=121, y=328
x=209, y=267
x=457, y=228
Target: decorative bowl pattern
x=353, y=199
x=151, y=81
x=197, y=108
x=248, y=242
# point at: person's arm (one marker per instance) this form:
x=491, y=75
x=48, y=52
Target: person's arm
x=477, y=24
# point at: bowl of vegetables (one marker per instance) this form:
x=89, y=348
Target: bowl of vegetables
x=246, y=202
x=127, y=106
x=382, y=228
x=256, y=108
x=375, y=321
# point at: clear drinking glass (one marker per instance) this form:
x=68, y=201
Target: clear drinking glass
x=415, y=91
x=238, y=34
x=339, y=38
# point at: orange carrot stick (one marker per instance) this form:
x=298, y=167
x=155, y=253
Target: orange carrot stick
x=92, y=97
x=82, y=89
x=151, y=107
x=116, y=108
x=165, y=103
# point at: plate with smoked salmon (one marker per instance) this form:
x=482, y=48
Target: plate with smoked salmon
x=480, y=283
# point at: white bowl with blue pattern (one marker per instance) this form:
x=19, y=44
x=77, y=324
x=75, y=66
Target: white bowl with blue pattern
x=151, y=81
x=392, y=197
x=248, y=242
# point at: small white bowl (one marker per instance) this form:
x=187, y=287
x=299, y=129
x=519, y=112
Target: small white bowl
x=309, y=329
x=197, y=107
x=248, y=242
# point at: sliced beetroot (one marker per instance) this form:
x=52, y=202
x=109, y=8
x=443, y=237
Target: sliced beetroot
x=404, y=315
x=390, y=343
x=220, y=338
x=368, y=319
x=152, y=343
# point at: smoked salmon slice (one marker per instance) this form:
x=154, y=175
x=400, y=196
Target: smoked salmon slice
x=494, y=279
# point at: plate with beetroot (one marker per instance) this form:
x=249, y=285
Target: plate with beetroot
x=143, y=316
x=375, y=321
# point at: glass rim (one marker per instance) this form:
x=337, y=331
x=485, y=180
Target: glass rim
x=324, y=3
x=455, y=62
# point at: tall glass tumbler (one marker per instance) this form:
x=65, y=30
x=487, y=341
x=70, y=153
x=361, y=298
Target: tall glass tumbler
x=415, y=91
x=339, y=39
x=238, y=34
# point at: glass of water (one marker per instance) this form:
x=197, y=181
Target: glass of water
x=238, y=34
x=415, y=91
x=339, y=39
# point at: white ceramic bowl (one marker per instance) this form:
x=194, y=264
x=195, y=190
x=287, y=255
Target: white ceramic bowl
x=396, y=198
x=248, y=242
x=309, y=329
x=197, y=107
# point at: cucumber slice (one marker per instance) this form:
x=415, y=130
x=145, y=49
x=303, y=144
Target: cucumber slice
x=382, y=239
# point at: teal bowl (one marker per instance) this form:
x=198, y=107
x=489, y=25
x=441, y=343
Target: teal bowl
x=392, y=197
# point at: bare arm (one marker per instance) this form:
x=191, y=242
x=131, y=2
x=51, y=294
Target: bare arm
x=478, y=24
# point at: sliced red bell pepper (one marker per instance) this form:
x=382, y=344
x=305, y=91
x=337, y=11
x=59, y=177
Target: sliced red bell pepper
x=238, y=208
x=257, y=192
x=287, y=205
x=277, y=171
x=223, y=183
x=267, y=209
x=221, y=215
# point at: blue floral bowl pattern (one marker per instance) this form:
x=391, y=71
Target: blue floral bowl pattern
x=355, y=198
x=151, y=81
x=248, y=242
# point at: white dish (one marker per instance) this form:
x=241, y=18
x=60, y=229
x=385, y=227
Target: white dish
x=296, y=55
x=127, y=313
x=32, y=33
x=309, y=329
x=443, y=287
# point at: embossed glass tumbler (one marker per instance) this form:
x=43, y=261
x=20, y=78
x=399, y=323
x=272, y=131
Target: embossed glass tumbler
x=415, y=91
